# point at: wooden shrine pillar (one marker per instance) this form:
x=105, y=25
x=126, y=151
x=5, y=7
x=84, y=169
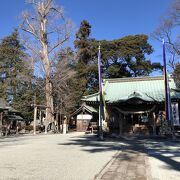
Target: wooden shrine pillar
x=1, y=119
x=40, y=116
x=154, y=124
x=120, y=124
x=46, y=122
x=35, y=119
x=57, y=120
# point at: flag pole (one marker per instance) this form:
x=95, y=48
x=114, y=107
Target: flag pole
x=167, y=94
x=100, y=95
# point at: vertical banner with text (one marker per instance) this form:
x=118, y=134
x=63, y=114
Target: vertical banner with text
x=175, y=114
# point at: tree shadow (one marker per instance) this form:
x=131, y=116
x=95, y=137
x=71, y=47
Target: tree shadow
x=166, y=151
x=11, y=141
x=162, y=149
x=92, y=144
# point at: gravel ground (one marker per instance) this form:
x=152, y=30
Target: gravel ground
x=54, y=157
x=82, y=157
x=144, y=159
x=163, y=160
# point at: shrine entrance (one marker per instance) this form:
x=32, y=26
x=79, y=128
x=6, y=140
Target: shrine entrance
x=137, y=124
x=132, y=119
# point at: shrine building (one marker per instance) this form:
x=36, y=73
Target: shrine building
x=134, y=105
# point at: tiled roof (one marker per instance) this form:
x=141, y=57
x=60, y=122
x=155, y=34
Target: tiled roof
x=4, y=105
x=84, y=107
x=149, y=88
x=15, y=117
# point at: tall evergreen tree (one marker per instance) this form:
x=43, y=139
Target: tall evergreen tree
x=124, y=57
x=15, y=74
x=11, y=64
x=85, y=61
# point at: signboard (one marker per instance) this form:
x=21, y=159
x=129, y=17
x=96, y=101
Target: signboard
x=84, y=117
x=175, y=114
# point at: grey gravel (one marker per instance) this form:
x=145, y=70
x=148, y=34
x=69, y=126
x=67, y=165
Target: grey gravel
x=54, y=157
x=163, y=159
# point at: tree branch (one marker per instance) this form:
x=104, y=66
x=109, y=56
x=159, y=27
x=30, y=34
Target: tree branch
x=30, y=48
x=58, y=44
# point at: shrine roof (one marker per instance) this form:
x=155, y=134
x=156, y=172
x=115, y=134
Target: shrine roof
x=84, y=107
x=148, y=88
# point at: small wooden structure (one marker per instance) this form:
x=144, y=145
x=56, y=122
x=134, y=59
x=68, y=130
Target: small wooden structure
x=41, y=122
x=83, y=117
x=3, y=110
x=40, y=114
x=9, y=118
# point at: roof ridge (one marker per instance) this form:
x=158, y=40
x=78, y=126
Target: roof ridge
x=90, y=95
x=130, y=79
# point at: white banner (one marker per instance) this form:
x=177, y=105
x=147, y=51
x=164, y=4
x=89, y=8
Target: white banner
x=175, y=114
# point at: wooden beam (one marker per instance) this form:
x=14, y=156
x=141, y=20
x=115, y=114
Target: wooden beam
x=39, y=106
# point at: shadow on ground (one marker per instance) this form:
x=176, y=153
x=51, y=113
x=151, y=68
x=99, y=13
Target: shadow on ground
x=15, y=140
x=92, y=144
x=162, y=149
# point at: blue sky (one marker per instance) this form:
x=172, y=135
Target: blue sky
x=110, y=19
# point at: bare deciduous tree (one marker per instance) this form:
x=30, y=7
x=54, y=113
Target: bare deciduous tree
x=166, y=30
x=44, y=31
x=62, y=88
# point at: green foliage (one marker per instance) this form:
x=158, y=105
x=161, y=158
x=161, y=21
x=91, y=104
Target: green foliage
x=82, y=42
x=74, y=74
x=16, y=79
x=127, y=57
x=11, y=64
x=86, y=69
x=124, y=57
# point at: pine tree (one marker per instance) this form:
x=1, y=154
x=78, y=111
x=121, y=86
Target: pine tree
x=123, y=57
x=12, y=65
x=15, y=74
x=85, y=61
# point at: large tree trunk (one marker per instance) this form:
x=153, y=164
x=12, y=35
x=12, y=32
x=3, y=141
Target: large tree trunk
x=40, y=25
x=49, y=101
x=48, y=86
x=47, y=68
